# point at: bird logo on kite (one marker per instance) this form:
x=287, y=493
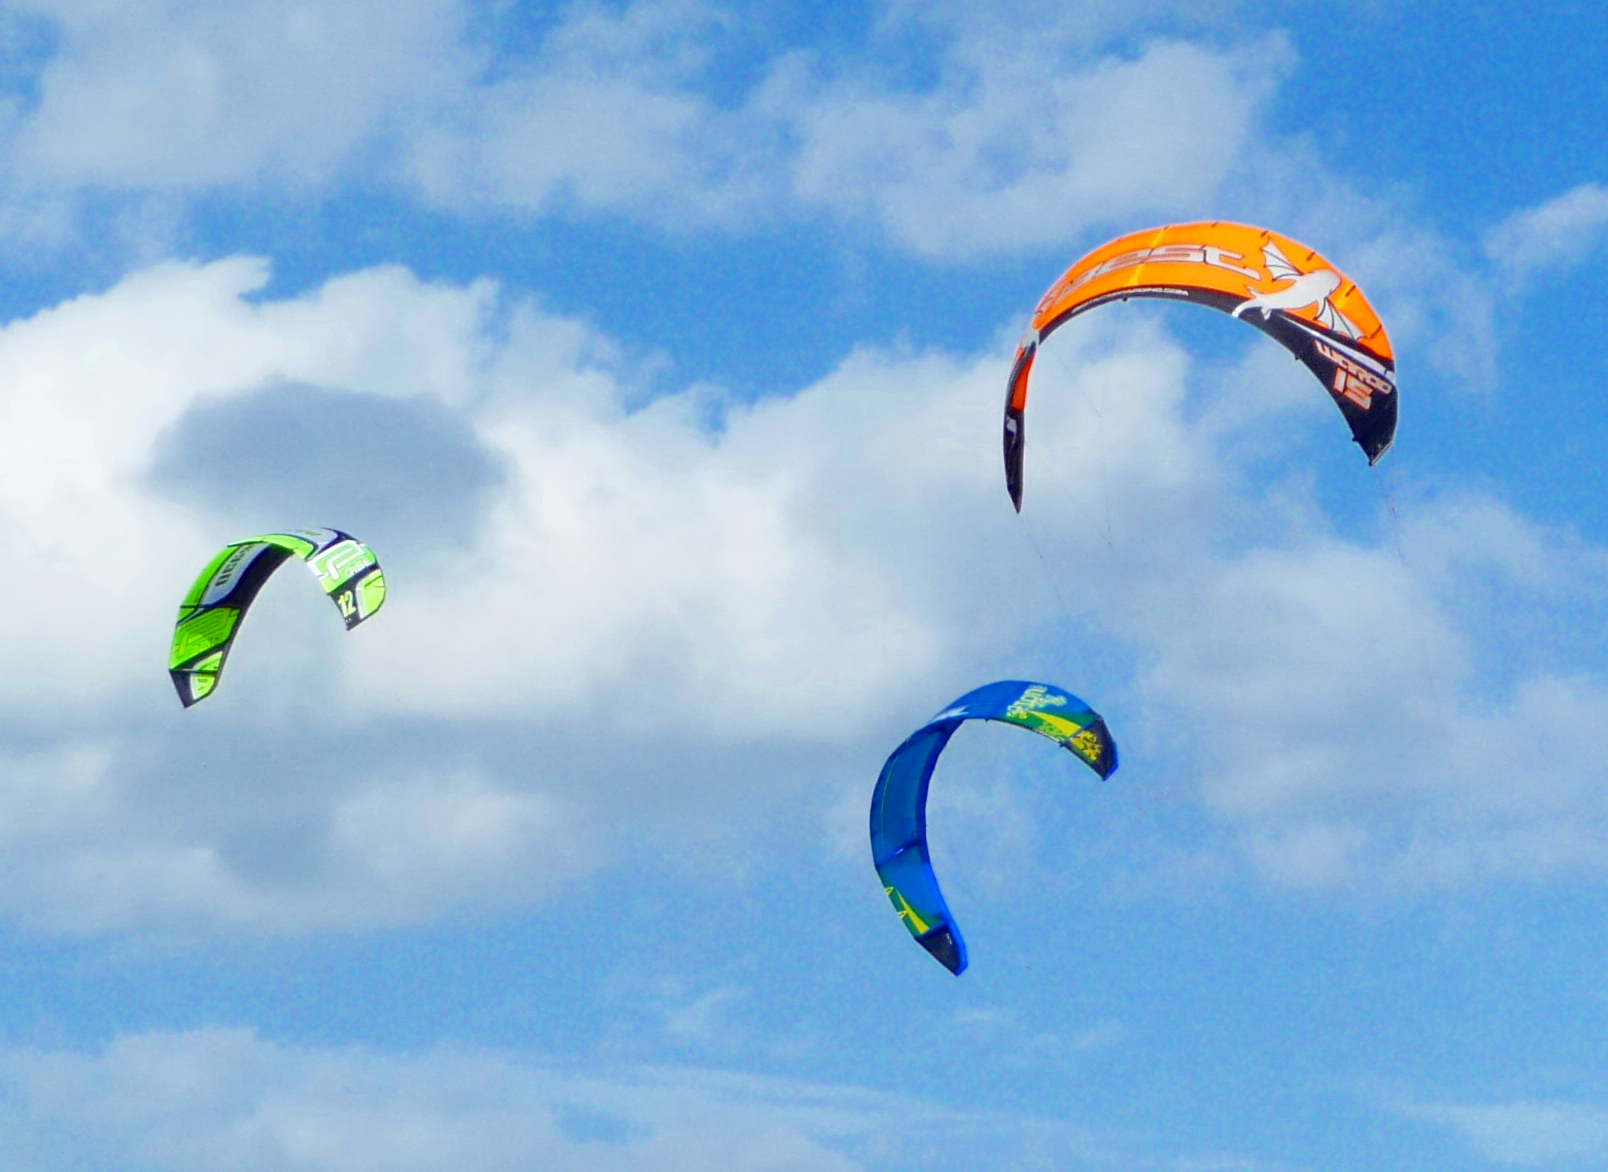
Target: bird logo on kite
x=1304, y=291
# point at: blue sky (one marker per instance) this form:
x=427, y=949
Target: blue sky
x=658, y=349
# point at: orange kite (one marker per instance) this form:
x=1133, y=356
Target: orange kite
x=1283, y=288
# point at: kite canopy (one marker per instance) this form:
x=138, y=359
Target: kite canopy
x=210, y=615
x=899, y=804
x=1283, y=288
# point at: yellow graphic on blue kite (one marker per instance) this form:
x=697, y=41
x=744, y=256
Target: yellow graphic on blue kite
x=1073, y=726
x=211, y=613
x=899, y=803
x=918, y=926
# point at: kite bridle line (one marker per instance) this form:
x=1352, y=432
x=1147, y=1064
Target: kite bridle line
x=1052, y=469
x=1063, y=609
x=1106, y=363
x=1106, y=360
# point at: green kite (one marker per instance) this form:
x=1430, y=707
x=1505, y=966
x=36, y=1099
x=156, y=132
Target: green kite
x=210, y=616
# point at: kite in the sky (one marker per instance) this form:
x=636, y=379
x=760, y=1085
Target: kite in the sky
x=1282, y=288
x=899, y=803
x=211, y=612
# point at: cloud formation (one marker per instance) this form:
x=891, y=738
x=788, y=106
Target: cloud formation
x=179, y=96
x=226, y=1100
x=632, y=111
x=1526, y=1134
x=703, y=610
x=1017, y=149
x=1558, y=234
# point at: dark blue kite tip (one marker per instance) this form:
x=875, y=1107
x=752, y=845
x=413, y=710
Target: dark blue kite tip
x=947, y=948
x=1110, y=766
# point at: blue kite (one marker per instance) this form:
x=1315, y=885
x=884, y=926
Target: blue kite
x=899, y=804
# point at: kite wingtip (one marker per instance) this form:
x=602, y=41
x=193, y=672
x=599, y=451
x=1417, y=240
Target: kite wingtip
x=945, y=947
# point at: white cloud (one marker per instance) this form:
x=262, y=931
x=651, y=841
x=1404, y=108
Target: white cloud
x=1018, y=142
x=1012, y=142
x=637, y=573
x=187, y=95
x=225, y=1100
x=47, y=791
x=93, y=383
x=1018, y=149
x=1359, y=716
x=1556, y=235
x=429, y=843
x=676, y=113
x=607, y=115
x=1439, y=310
x=92, y=386
x=643, y=614
x=1016, y=145
x=1526, y=1133
x=737, y=583
x=1344, y=728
